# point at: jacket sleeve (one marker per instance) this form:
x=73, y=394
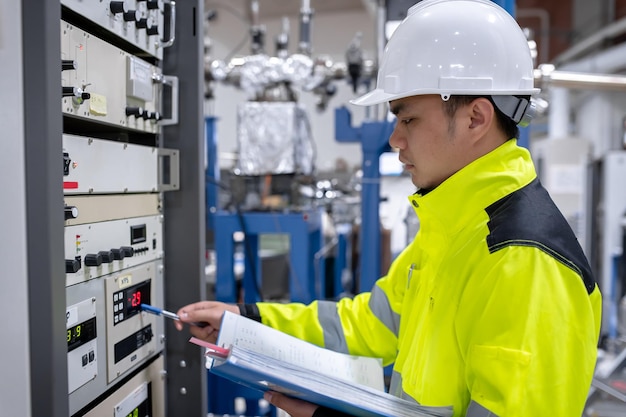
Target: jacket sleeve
x=366, y=325
x=520, y=326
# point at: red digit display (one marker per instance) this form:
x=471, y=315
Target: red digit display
x=136, y=299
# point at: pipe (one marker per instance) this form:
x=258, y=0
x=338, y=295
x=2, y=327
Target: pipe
x=581, y=80
x=610, y=31
x=304, y=47
x=544, y=24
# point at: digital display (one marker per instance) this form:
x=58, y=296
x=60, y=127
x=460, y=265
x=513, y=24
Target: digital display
x=138, y=234
x=135, y=296
x=81, y=334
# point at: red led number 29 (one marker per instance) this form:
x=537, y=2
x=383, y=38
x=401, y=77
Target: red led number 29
x=136, y=299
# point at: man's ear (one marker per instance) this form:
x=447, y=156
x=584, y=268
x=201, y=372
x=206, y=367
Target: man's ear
x=482, y=115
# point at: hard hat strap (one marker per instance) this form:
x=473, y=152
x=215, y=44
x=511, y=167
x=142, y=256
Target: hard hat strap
x=512, y=106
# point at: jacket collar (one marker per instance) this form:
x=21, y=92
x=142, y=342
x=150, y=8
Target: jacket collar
x=486, y=180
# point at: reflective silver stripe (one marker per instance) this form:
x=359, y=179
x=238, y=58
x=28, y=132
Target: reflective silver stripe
x=334, y=339
x=395, y=387
x=379, y=304
x=477, y=410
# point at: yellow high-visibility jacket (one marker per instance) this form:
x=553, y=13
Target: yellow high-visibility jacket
x=492, y=305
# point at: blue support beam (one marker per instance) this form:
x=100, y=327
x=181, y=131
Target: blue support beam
x=373, y=137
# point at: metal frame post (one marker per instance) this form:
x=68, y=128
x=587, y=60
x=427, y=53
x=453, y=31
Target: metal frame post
x=184, y=227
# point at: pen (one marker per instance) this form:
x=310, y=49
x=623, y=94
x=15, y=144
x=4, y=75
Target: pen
x=160, y=312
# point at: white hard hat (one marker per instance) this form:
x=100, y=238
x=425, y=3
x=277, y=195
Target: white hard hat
x=454, y=47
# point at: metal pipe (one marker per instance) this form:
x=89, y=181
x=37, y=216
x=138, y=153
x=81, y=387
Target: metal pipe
x=612, y=30
x=580, y=80
x=306, y=13
x=544, y=25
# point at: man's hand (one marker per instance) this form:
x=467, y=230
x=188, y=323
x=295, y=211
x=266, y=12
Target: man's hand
x=210, y=312
x=295, y=408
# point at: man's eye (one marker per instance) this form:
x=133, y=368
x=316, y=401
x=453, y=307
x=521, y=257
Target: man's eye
x=407, y=121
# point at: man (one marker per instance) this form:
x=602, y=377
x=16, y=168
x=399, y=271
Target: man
x=492, y=308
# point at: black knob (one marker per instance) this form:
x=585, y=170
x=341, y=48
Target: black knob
x=72, y=91
x=118, y=254
x=141, y=23
x=71, y=212
x=68, y=64
x=85, y=96
x=130, y=16
x=66, y=164
x=117, y=7
x=92, y=259
x=152, y=30
x=156, y=116
x=72, y=266
x=129, y=251
x=107, y=256
x=134, y=111
x=152, y=4
x=147, y=115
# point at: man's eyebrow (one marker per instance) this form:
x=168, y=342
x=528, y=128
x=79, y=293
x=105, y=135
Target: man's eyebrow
x=396, y=108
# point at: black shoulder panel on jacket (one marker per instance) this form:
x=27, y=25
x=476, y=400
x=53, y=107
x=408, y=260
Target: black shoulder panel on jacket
x=529, y=217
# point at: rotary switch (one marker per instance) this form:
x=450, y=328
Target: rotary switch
x=117, y=7
x=129, y=251
x=152, y=30
x=92, y=259
x=107, y=256
x=71, y=212
x=72, y=266
x=134, y=111
x=68, y=64
x=141, y=23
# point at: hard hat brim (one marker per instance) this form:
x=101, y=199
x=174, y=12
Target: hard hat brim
x=376, y=96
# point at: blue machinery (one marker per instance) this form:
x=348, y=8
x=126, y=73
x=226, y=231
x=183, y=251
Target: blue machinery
x=306, y=279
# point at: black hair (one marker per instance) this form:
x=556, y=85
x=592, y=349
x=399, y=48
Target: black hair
x=505, y=123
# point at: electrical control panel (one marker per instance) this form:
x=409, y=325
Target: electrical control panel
x=115, y=100
x=141, y=396
x=105, y=84
x=97, y=249
x=108, y=336
x=148, y=25
x=96, y=166
x=82, y=346
x=132, y=334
